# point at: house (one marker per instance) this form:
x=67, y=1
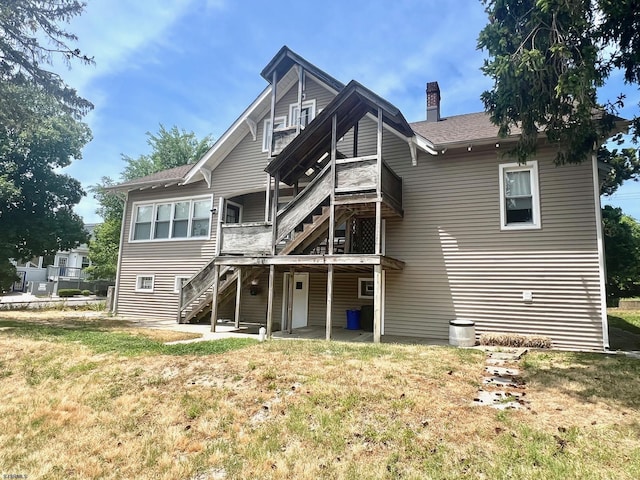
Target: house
x=62, y=266
x=321, y=198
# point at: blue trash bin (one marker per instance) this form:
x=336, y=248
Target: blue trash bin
x=353, y=319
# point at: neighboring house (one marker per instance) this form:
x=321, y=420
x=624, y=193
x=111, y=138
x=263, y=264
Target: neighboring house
x=68, y=265
x=418, y=223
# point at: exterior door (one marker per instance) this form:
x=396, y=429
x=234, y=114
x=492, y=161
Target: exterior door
x=300, y=298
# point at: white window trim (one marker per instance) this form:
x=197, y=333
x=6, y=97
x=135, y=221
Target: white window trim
x=360, y=282
x=307, y=103
x=145, y=290
x=177, y=280
x=532, y=167
x=154, y=204
x=266, y=137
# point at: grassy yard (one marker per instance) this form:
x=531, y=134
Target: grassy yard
x=100, y=399
x=624, y=329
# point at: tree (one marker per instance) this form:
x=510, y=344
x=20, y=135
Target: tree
x=24, y=24
x=547, y=59
x=36, y=202
x=622, y=251
x=169, y=148
x=40, y=132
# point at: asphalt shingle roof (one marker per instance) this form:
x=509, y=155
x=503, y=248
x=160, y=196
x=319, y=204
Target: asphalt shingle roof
x=172, y=174
x=470, y=127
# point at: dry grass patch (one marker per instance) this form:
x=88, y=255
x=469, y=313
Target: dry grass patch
x=308, y=409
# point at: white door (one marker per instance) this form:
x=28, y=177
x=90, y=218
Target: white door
x=300, y=298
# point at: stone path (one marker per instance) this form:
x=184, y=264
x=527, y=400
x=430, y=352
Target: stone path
x=502, y=386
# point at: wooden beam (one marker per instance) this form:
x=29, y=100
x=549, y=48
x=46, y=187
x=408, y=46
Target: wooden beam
x=312, y=260
x=221, y=218
x=329, y=300
x=272, y=274
x=214, y=297
x=238, y=297
x=355, y=139
x=377, y=303
x=300, y=79
x=274, y=214
x=179, y=319
x=274, y=83
x=267, y=199
x=332, y=211
x=378, y=245
x=289, y=322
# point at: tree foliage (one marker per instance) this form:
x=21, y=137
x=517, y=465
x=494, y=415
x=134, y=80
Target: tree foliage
x=36, y=209
x=169, y=148
x=547, y=59
x=30, y=38
x=622, y=250
x=40, y=131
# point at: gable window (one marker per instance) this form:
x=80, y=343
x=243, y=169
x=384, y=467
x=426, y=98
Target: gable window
x=267, y=132
x=308, y=113
x=519, y=196
x=180, y=219
x=144, y=283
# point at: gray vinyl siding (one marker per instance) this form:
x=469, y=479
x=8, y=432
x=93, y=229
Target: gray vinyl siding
x=464, y=266
x=241, y=171
x=163, y=259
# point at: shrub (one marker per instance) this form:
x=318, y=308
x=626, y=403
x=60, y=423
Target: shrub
x=86, y=293
x=515, y=340
x=68, y=292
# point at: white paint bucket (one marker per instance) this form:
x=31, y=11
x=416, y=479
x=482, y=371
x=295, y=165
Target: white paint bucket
x=462, y=333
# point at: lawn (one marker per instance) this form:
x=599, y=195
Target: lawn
x=99, y=399
x=624, y=329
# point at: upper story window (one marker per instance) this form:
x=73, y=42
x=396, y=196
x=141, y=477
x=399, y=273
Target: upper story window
x=233, y=212
x=281, y=123
x=308, y=113
x=519, y=196
x=179, y=219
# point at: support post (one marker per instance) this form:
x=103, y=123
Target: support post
x=355, y=139
x=179, y=319
x=300, y=85
x=378, y=246
x=292, y=276
x=274, y=213
x=377, y=303
x=221, y=219
x=332, y=212
x=238, y=297
x=329, y=300
x=267, y=199
x=214, y=297
x=272, y=274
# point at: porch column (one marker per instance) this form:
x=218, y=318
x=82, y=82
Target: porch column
x=378, y=246
x=272, y=274
x=329, y=300
x=377, y=303
x=238, y=297
x=214, y=297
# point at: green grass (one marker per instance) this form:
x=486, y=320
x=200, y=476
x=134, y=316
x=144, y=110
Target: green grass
x=628, y=320
x=101, y=340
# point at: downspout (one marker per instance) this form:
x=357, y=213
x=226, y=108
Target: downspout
x=601, y=259
x=116, y=297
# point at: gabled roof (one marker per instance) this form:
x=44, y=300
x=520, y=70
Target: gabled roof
x=286, y=58
x=350, y=105
x=171, y=176
x=458, y=130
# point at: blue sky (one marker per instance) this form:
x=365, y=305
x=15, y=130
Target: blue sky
x=196, y=63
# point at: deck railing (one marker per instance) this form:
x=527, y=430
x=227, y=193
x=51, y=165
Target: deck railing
x=75, y=273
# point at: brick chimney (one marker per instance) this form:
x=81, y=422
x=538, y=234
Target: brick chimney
x=433, y=102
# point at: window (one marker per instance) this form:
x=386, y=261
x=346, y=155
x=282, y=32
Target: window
x=180, y=219
x=281, y=122
x=365, y=288
x=233, y=214
x=85, y=262
x=308, y=113
x=144, y=283
x=179, y=282
x=519, y=196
